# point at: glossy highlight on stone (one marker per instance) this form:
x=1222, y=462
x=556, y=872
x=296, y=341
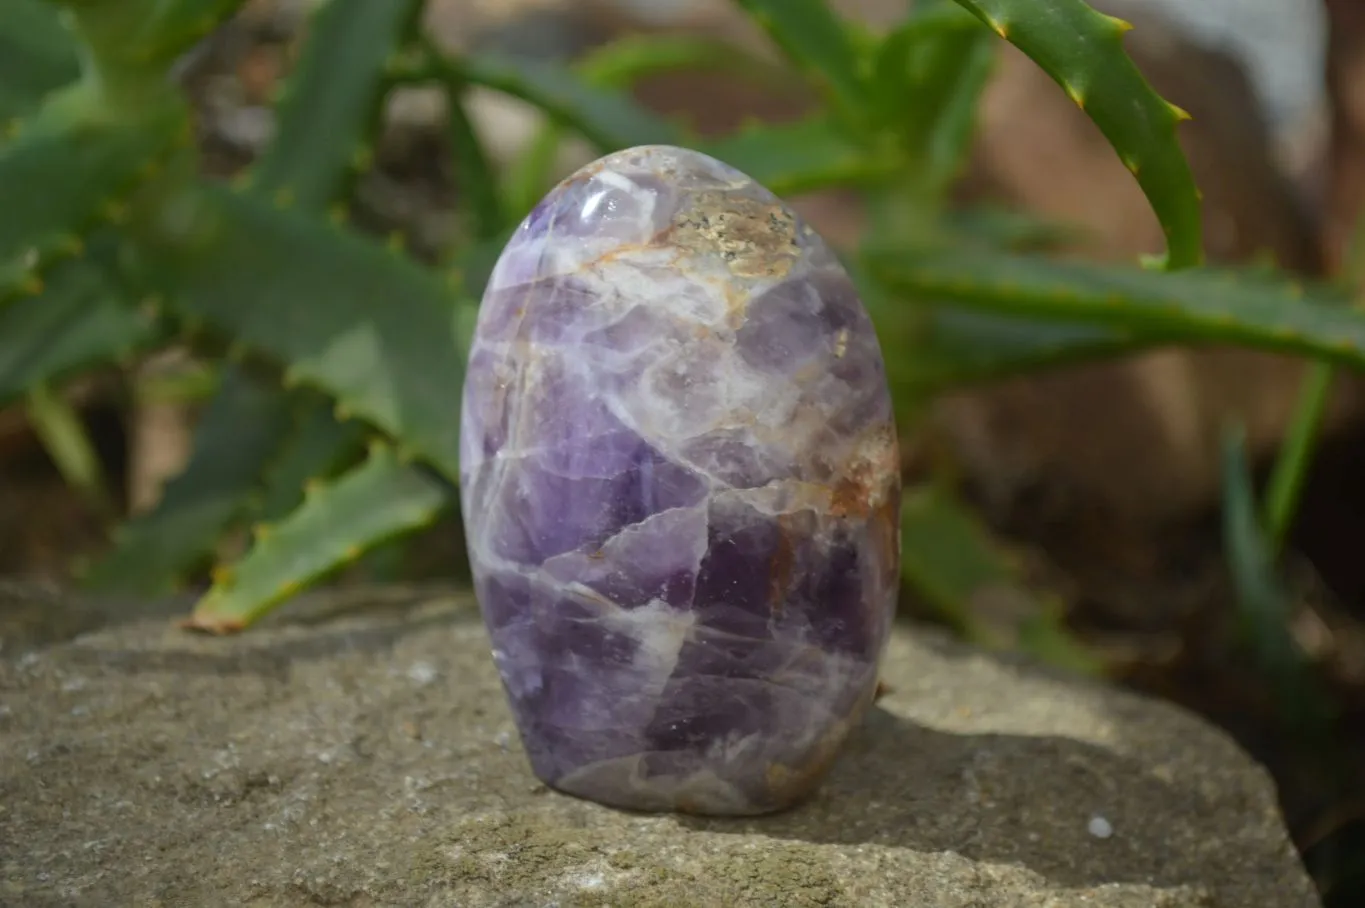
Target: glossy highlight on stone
x=680, y=486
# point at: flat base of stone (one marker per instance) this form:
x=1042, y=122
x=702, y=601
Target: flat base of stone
x=699, y=797
x=707, y=796
x=370, y=761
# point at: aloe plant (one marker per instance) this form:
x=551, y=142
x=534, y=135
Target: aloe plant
x=339, y=356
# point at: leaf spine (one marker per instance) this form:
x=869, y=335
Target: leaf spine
x=1119, y=26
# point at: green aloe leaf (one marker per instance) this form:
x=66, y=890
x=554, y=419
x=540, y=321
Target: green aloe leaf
x=820, y=44
x=67, y=442
x=1012, y=231
x=235, y=438
x=377, y=332
x=319, y=446
x=947, y=348
x=474, y=264
x=476, y=177
x=337, y=522
x=168, y=29
x=929, y=76
x=530, y=176
x=946, y=557
x=802, y=156
x=69, y=169
x=1082, y=50
x=1197, y=306
x=951, y=348
x=1295, y=459
x=332, y=99
x=1264, y=601
x=37, y=55
x=950, y=559
x=624, y=61
x=129, y=34
x=608, y=119
x=78, y=321
x=1302, y=435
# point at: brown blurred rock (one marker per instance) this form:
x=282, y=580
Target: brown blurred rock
x=1346, y=84
x=161, y=432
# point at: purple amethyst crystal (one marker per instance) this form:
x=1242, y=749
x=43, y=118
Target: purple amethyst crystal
x=680, y=483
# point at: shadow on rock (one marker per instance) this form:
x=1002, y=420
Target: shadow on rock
x=35, y=614
x=1072, y=812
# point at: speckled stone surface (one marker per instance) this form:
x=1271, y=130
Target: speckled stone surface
x=356, y=750
x=680, y=484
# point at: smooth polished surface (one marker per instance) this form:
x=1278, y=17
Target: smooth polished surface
x=680, y=485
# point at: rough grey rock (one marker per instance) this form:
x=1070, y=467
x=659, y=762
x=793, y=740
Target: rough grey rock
x=365, y=757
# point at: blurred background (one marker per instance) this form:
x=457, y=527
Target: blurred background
x=1102, y=481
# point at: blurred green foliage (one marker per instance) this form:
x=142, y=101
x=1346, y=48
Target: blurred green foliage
x=338, y=358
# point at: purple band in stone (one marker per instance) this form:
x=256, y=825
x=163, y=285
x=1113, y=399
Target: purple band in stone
x=680, y=483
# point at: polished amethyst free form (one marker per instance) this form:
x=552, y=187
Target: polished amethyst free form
x=680, y=486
